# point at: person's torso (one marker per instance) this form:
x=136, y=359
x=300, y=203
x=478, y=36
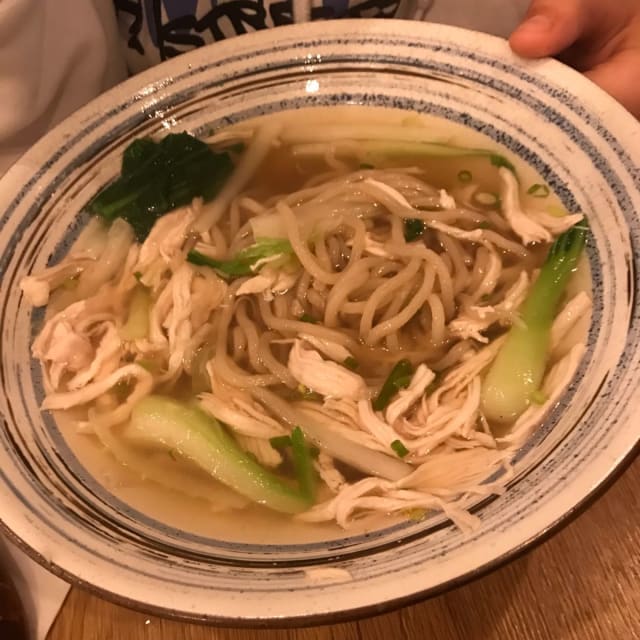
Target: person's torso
x=155, y=30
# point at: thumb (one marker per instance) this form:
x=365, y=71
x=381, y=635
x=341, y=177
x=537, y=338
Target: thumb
x=550, y=26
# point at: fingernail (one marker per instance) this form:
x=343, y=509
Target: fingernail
x=539, y=22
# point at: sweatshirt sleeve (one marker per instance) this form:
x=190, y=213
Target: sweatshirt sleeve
x=55, y=56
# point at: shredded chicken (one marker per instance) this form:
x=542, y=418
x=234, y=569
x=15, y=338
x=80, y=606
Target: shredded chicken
x=556, y=224
x=327, y=347
x=577, y=308
x=328, y=473
x=37, y=288
x=375, y=424
x=531, y=226
x=68, y=399
x=478, y=318
x=375, y=248
x=447, y=201
x=269, y=282
x=65, y=343
x=471, y=236
x=261, y=449
x=327, y=378
x=553, y=387
x=523, y=225
x=389, y=192
x=421, y=379
x=237, y=409
x=164, y=245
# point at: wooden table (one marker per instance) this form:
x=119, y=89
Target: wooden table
x=583, y=583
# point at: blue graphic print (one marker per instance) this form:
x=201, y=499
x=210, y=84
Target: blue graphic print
x=171, y=27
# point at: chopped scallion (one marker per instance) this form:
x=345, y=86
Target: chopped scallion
x=303, y=464
x=465, y=176
x=242, y=263
x=280, y=442
x=485, y=200
x=402, y=382
x=399, y=448
x=538, y=191
x=413, y=229
x=351, y=363
x=401, y=370
x=308, y=394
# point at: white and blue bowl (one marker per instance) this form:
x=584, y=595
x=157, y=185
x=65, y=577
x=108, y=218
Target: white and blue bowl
x=582, y=143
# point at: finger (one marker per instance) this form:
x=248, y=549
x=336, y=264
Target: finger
x=620, y=77
x=549, y=27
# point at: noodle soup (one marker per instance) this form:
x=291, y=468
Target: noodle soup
x=316, y=320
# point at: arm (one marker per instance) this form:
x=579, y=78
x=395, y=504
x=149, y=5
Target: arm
x=598, y=37
x=55, y=55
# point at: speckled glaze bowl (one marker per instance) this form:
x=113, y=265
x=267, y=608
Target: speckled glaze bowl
x=583, y=144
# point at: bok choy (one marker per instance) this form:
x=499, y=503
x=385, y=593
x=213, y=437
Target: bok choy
x=157, y=177
x=201, y=439
x=517, y=371
x=244, y=262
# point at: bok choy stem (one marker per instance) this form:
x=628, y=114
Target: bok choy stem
x=243, y=262
x=200, y=438
x=517, y=371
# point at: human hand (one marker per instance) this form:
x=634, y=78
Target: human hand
x=598, y=37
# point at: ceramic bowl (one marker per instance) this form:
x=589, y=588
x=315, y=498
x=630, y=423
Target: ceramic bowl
x=582, y=143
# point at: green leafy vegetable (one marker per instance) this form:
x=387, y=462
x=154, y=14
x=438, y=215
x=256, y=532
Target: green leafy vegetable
x=306, y=317
x=399, y=378
x=399, y=448
x=413, y=229
x=200, y=438
x=351, y=363
x=241, y=264
x=137, y=154
x=366, y=165
x=159, y=176
x=498, y=160
x=309, y=394
x=538, y=191
x=517, y=371
x=280, y=442
x=303, y=464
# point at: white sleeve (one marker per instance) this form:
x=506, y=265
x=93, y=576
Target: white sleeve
x=55, y=56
